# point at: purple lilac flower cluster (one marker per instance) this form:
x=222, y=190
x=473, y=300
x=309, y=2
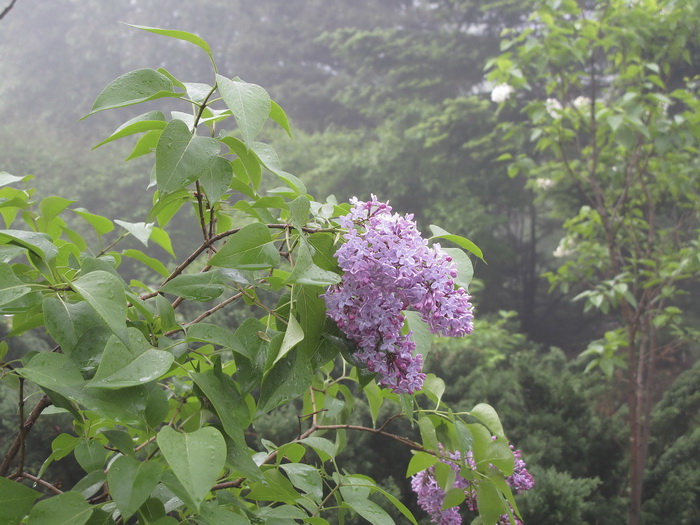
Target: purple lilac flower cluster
x=431, y=496
x=388, y=267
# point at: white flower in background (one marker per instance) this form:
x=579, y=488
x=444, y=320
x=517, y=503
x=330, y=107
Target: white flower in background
x=544, y=183
x=582, y=102
x=501, y=93
x=553, y=107
x=567, y=246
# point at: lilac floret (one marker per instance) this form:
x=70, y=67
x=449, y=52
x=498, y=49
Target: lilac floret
x=431, y=497
x=389, y=267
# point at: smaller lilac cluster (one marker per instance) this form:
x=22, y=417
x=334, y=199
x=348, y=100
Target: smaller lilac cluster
x=388, y=267
x=431, y=496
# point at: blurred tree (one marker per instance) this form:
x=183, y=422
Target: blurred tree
x=615, y=127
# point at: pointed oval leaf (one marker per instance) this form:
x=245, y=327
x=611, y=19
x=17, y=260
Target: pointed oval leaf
x=100, y=224
x=90, y=454
x=16, y=500
x=105, y=294
x=196, y=458
x=131, y=483
x=147, y=367
x=369, y=510
x=278, y=115
x=38, y=243
x=180, y=35
x=182, y=157
x=144, y=122
x=251, y=249
x=140, y=230
x=249, y=103
x=439, y=233
x=133, y=87
x=217, y=178
x=68, y=508
x=201, y=287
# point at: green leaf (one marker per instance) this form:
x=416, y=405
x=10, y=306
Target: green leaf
x=38, y=243
x=201, y=287
x=100, y=224
x=419, y=462
x=90, y=484
x=489, y=501
x=131, y=483
x=453, y=498
x=182, y=157
x=217, y=178
x=280, y=117
x=227, y=401
x=267, y=156
x=421, y=333
x=370, y=511
x=180, y=35
x=145, y=122
x=153, y=264
x=90, y=455
x=465, y=269
x=433, y=387
x=11, y=287
x=501, y=456
x=145, y=144
x=324, y=448
x=305, y=478
x=489, y=417
x=77, y=329
x=162, y=239
x=219, y=516
x=52, y=371
x=6, y=178
x=140, y=230
x=147, y=367
x=306, y=272
x=311, y=311
x=439, y=233
x=16, y=501
x=251, y=248
x=105, y=294
x=133, y=87
x=292, y=335
x=249, y=103
x=374, y=398
x=210, y=333
x=196, y=458
x=289, y=378
x=68, y=508
x=427, y=432
x=51, y=207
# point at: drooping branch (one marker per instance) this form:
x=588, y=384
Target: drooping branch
x=316, y=428
x=17, y=444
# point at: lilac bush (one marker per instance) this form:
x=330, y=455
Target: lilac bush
x=388, y=267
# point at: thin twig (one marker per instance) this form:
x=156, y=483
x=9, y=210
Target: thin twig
x=315, y=428
x=39, y=481
x=7, y=9
x=43, y=402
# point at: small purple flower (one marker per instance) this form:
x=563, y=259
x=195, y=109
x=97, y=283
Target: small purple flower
x=431, y=496
x=389, y=267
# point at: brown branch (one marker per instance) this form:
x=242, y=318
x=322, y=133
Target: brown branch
x=14, y=449
x=39, y=481
x=7, y=9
